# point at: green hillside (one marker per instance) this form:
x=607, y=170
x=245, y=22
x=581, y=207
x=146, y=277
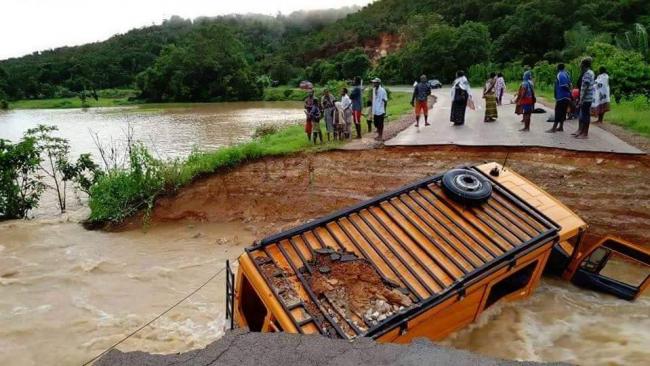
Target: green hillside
x=234, y=57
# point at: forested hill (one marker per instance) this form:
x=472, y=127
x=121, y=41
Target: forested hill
x=233, y=57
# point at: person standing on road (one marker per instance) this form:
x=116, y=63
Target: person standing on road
x=460, y=97
x=490, y=96
x=327, y=101
x=309, y=102
x=346, y=105
x=562, y=98
x=420, y=100
x=355, y=96
x=500, y=88
x=315, y=114
x=526, y=100
x=379, y=104
x=586, y=99
x=601, y=95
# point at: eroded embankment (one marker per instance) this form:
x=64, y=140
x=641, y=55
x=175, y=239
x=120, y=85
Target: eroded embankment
x=611, y=192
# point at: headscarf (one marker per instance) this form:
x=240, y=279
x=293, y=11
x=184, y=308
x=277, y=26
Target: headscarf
x=528, y=83
x=601, y=90
x=462, y=83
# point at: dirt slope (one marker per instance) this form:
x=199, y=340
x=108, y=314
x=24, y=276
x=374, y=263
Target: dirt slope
x=611, y=192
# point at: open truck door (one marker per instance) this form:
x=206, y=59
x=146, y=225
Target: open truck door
x=612, y=266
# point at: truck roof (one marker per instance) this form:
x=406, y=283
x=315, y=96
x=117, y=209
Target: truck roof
x=409, y=248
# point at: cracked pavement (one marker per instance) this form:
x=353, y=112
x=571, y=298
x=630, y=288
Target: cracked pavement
x=242, y=348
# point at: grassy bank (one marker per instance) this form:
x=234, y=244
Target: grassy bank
x=123, y=192
x=64, y=103
x=107, y=98
x=632, y=114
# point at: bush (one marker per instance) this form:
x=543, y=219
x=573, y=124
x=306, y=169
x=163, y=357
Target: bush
x=20, y=188
x=122, y=192
x=119, y=193
x=284, y=94
x=265, y=130
x=628, y=72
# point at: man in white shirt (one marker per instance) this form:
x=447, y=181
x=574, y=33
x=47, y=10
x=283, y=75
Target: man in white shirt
x=379, y=103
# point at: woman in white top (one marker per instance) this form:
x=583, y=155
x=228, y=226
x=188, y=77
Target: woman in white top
x=346, y=106
x=600, y=106
x=461, y=96
x=500, y=88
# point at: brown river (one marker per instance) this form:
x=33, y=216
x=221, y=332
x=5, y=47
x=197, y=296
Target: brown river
x=66, y=293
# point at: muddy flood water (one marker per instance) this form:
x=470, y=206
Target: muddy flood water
x=68, y=293
x=169, y=131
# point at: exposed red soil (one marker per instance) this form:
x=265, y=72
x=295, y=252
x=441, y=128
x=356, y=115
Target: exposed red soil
x=382, y=46
x=611, y=192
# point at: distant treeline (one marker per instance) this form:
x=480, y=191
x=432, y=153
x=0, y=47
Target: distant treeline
x=234, y=57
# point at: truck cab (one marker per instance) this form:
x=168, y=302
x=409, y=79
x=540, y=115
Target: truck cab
x=611, y=265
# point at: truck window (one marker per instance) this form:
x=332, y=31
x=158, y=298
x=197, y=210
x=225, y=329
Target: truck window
x=251, y=306
x=511, y=284
x=625, y=270
x=595, y=260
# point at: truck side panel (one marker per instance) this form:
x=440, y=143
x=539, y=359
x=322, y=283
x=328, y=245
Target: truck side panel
x=456, y=312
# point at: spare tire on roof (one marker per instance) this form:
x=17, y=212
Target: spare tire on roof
x=466, y=186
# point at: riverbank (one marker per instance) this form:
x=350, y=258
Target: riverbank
x=107, y=98
x=69, y=103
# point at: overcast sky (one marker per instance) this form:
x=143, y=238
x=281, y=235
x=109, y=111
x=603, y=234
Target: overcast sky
x=33, y=25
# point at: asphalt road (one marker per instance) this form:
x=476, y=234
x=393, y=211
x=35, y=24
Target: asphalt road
x=239, y=348
x=504, y=131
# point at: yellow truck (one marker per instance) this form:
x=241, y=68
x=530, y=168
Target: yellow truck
x=424, y=260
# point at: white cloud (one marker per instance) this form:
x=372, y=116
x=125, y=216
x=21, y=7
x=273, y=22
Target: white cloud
x=32, y=25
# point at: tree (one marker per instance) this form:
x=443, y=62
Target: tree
x=20, y=187
x=55, y=152
x=635, y=40
x=328, y=71
x=3, y=89
x=84, y=173
x=209, y=66
x=355, y=63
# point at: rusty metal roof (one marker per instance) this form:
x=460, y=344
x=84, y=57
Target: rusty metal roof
x=416, y=240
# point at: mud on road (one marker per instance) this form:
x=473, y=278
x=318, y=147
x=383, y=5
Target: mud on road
x=610, y=191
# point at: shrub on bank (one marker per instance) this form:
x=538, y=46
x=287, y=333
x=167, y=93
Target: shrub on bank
x=121, y=193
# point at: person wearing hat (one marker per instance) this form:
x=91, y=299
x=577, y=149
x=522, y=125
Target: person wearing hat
x=379, y=103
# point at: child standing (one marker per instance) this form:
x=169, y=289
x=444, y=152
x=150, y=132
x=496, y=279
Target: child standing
x=315, y=115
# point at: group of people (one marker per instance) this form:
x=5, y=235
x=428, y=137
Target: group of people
x=340, y=115
x=590, y=97
x=493, y=93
